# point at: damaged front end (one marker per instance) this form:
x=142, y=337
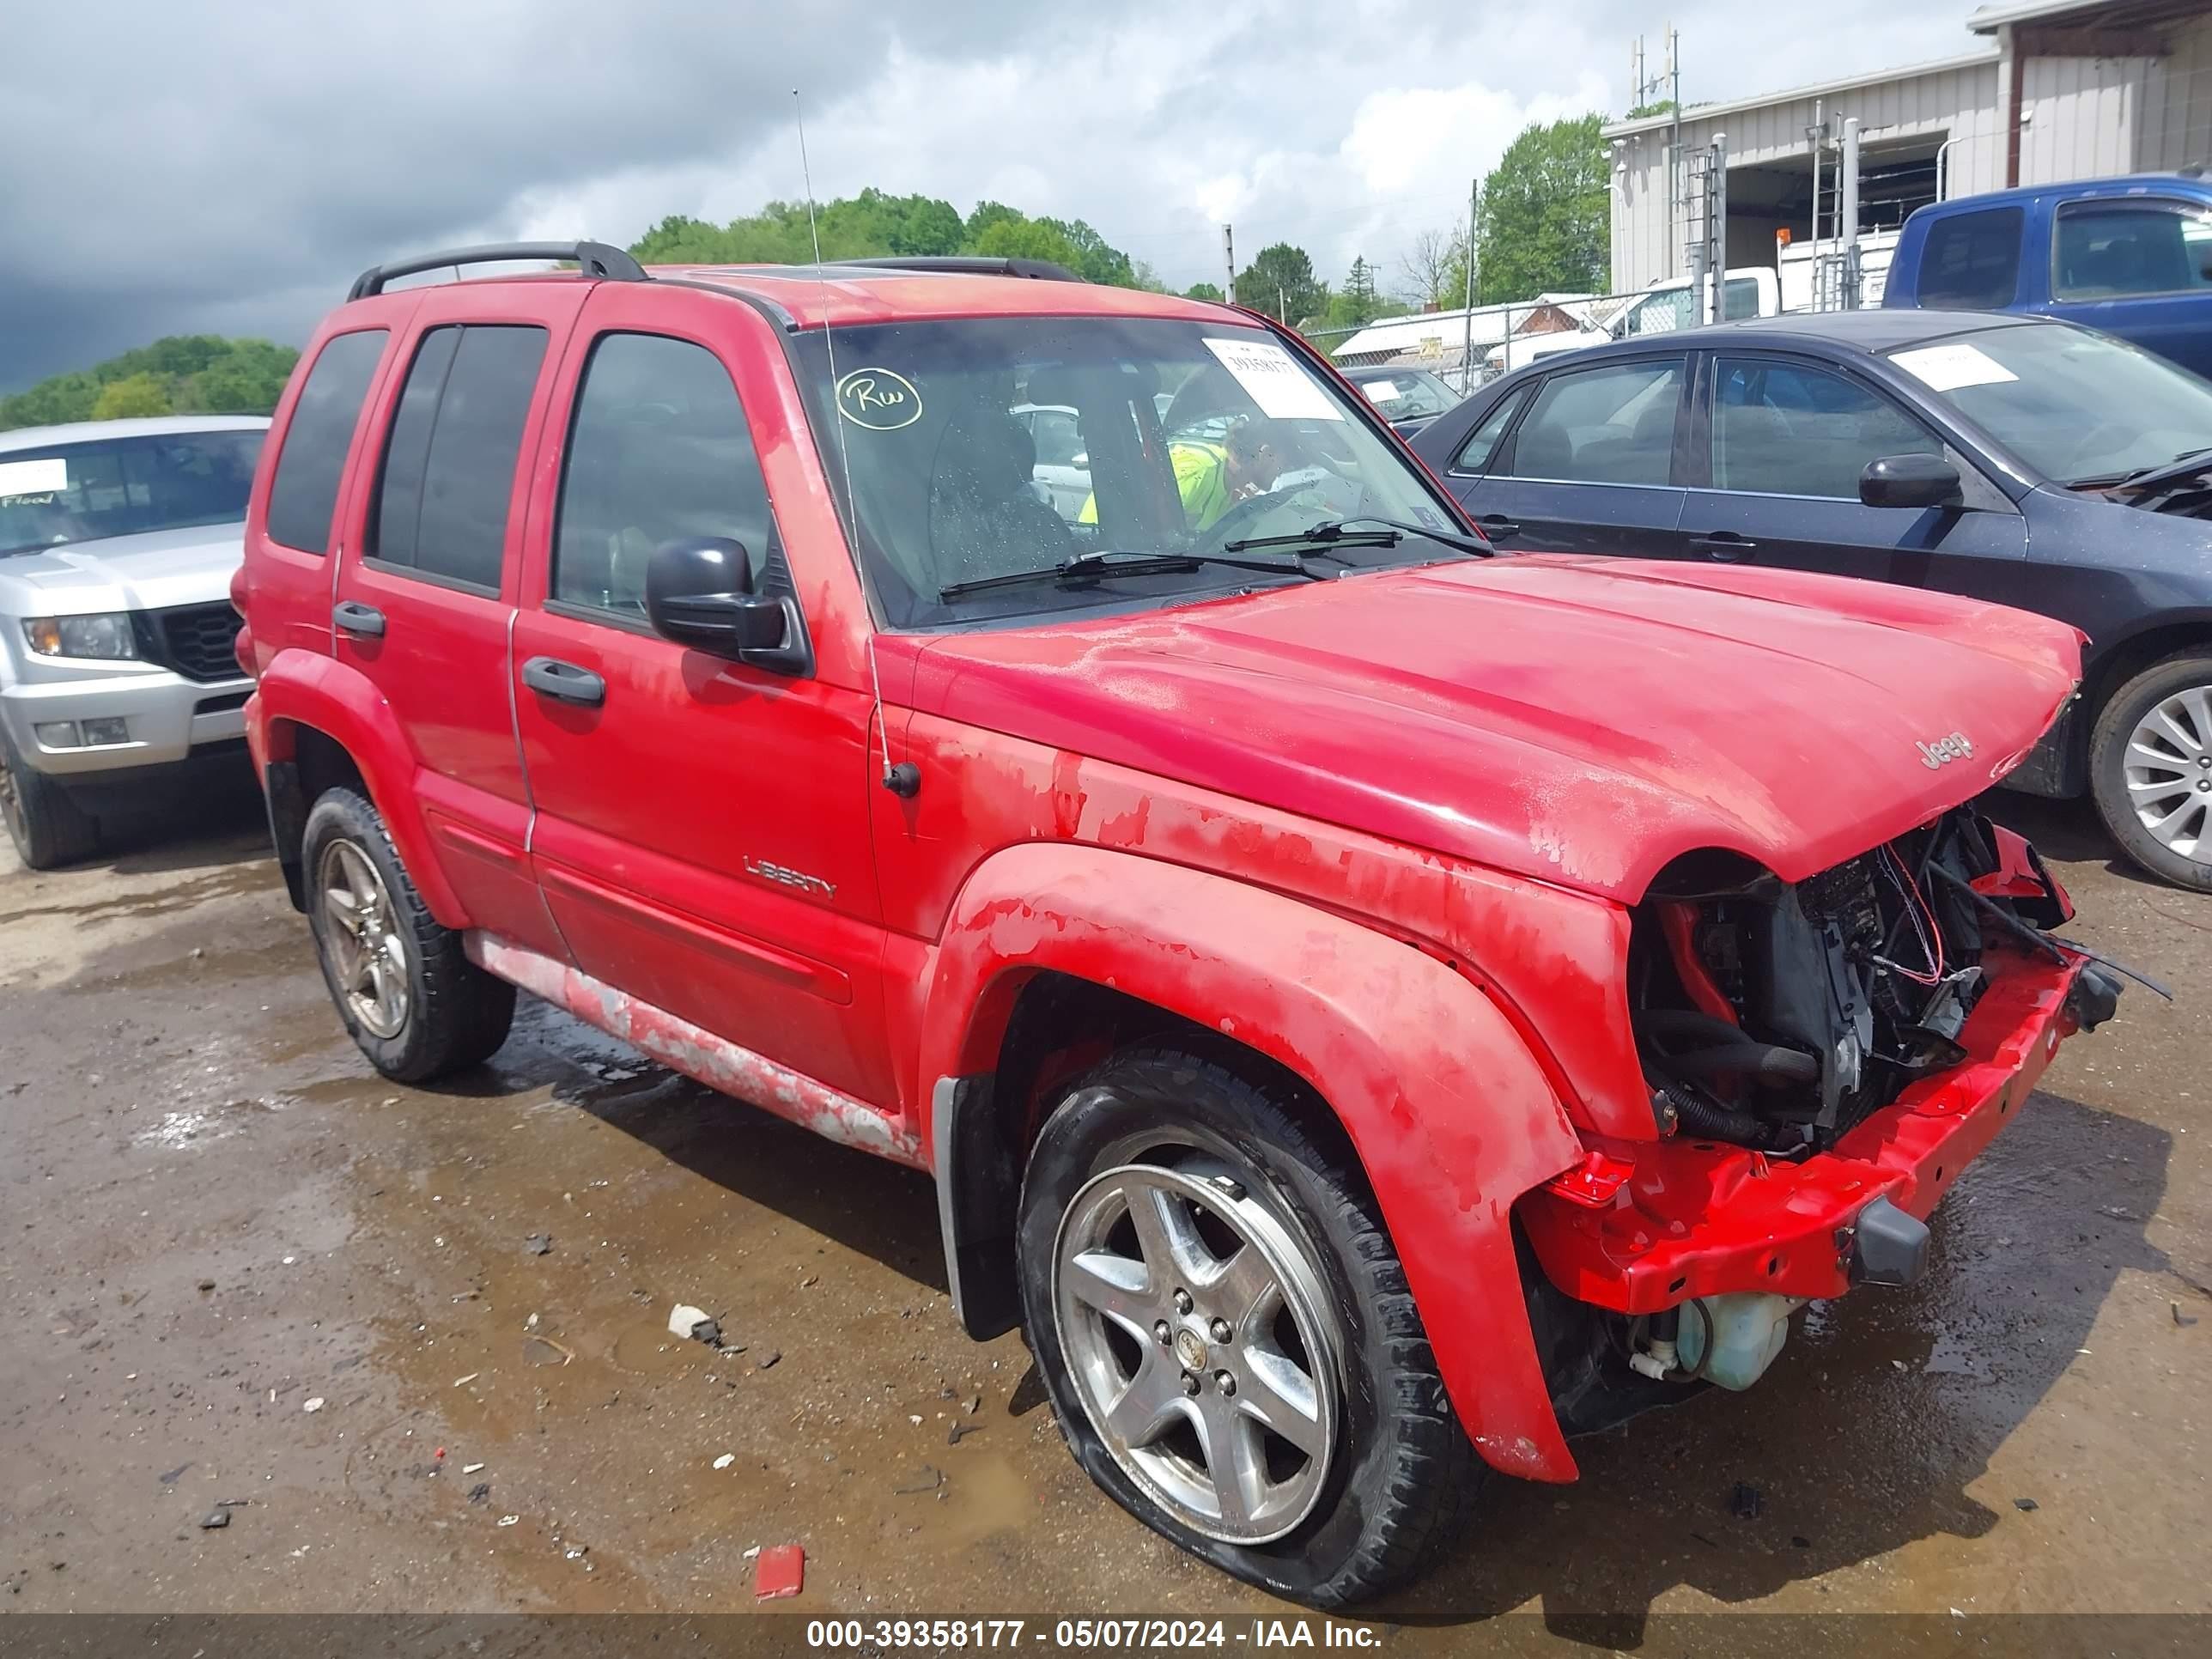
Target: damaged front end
x=1778, y=1016
x=1824, y=1057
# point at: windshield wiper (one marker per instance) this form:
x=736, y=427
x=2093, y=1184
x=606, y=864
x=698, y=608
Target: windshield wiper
x=1103, y=561
x=1338, y=532
x=2181, y=466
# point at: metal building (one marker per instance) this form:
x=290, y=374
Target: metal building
x=2055, y=90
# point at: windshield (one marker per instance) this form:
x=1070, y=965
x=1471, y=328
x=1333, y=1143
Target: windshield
x=123, y=486
x=988, y=446
x=2075, y=406
x=1408, y=394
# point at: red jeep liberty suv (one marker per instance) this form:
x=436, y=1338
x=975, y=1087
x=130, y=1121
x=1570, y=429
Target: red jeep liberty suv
x=1372, y=1011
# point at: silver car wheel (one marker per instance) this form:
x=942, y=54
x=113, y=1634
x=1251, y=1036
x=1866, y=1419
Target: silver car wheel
x=1201, y=1343
x=369, y=958
x=2168, y=768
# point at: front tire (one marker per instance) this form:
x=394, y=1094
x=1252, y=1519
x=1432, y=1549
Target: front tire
x=1225, y=1331
x=406, y=990
x=2150, y=769
x=48, y=827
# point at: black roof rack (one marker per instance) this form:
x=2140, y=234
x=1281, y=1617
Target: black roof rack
x=592, y=259
x=970, y=264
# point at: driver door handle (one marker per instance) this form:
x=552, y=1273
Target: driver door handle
x=1725, y=545
x=1495, y=524
x=362, y=621
x=564, y=682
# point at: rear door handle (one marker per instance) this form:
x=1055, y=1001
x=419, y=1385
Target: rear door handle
x=1495, y=524
x=564, y=682
x=1725, y=545
x=364, y=620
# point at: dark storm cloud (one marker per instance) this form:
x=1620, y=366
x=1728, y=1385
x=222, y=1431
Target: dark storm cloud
x=229, y=165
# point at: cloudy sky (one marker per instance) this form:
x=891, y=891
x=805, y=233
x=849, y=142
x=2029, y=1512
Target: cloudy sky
x=228, y=164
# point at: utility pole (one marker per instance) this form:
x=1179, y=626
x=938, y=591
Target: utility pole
x=1282, y=306
x=1674, y=132
x=1466, y=343
x=1669, y=82
x=1229, y=258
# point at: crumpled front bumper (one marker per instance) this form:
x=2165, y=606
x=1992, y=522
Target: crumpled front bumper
x=1645, y=1226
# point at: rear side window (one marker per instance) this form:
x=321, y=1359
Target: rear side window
x=449, y=464
x=1603, y=426
x=305, y=492
x=2111, y=250
x=1481, y=446
x=1972, y=262
x=659, y=451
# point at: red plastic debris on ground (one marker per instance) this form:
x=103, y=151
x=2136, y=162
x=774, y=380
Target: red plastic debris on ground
x=779, y=1572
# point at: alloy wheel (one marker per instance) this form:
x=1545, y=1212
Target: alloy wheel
x=1201, y=1344
x=369, y=958
x=2168, y=770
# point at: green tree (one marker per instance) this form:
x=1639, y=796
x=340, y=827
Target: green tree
x=1203, y=291
x=187, y=374
x=135, y=394
x=1280, y=282
x=986, y=215
x=892, y=224
x=1028, y=239
x=1096, y=260
x=1545, y=222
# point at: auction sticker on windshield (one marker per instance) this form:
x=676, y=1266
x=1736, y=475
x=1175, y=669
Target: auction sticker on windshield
x=39, y=477
x=1283, y=390
x=1947, y=367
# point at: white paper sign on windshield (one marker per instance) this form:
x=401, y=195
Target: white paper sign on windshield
x=1380, y=391
x=1947, y=367
x=1283, y=390
x=40, y=478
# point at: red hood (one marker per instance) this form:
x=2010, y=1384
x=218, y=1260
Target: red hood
x=1579, y=720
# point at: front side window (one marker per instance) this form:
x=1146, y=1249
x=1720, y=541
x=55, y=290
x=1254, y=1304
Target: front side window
x=659, y=451
x=989, y=447
x=83, y=492
x=305, y=492
x=2113, y=250
x=449, y=465
x=1971, y=261
x=1784, y=428
x=1613, y=425
x=2074, y=405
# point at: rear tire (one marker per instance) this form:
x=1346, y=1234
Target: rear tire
x=48, y=827
x=406, y=990
x=1376, y=1472
x=2150, y=769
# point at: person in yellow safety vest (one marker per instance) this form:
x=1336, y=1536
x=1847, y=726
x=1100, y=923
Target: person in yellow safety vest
x=1201, y=474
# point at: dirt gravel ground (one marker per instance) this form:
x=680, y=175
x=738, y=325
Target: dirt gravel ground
x=216, y=1216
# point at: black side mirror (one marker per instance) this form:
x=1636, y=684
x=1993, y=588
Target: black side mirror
x=699, y=592
x=1910, y=481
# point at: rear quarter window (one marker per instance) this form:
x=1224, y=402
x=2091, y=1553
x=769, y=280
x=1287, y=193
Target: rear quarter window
x=305, y=492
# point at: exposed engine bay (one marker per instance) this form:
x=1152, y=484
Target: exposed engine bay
x=1778, y=1015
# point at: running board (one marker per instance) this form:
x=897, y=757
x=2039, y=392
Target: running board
x=681, y=1045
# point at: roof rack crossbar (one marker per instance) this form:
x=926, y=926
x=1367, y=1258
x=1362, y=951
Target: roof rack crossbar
x=970, y=264
x=592, y=259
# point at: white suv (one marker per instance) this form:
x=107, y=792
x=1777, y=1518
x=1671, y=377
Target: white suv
x=117, y=542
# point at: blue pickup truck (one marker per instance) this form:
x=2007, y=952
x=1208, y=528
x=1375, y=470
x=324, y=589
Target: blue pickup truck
x=2130, y=256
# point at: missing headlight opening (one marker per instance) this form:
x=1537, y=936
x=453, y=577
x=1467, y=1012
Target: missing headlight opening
x=1778, y=1016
